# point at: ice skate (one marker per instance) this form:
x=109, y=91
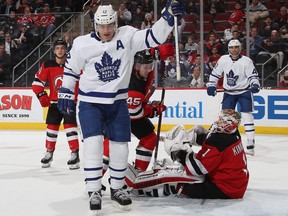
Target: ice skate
x=95, y=200
x=74, y=160
x=48, y=158
x=120, y=199
x=250, y=149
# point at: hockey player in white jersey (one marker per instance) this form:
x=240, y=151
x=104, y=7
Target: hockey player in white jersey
x=103, y=61
x=240, y=80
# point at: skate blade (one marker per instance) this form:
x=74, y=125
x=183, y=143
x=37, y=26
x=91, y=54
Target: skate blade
x=46, y=165
x=74, y=166
x=122, y=207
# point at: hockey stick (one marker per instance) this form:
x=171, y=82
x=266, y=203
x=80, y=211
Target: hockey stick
x=160, y=116
x=248, y=89
x=178, y=71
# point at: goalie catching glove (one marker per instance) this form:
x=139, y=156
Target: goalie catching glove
x=176, y=140
x=66, y=104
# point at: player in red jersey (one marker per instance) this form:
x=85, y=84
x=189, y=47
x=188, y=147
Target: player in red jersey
x=140, y=90
x=51, y=71
x=221, y=161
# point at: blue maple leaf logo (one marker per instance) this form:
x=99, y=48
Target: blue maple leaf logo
x=108, y=70
x=231, y=78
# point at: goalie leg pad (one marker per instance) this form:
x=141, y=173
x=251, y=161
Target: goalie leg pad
x=151, y=183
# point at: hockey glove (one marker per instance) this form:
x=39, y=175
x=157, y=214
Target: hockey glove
x=163, y=51
x=255, y=88
x=156, y=108
x=211, y=91
x=173, y=8
x=66, y=104
x=43, y=99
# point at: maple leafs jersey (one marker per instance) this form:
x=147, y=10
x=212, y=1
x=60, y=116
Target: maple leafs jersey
x=223, y=159
x=237, y=75
x=107, y=66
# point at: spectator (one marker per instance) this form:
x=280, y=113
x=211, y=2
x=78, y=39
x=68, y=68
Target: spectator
x=284, y=33
x=257, y=11
x=45, y=21
x=11, y=21
x=4, y=65
x=10, y=45
x=7, y=7
x=282, y=20
x=148, y=21
x=191, y=44
x=148, y=6
x=24, y=40
x=228, y=32
x=274, y=47
x=138, y=17
x=197, y=62
x=191, y=8
x=212, y=41
x=284, y=79
x=196, y=81
x=124, y=15
x=20, y=8
x=238, y=15
x=266, y=27
x=171, y=80
x=215, y=6
x=37, y=6
x=214, y=57
x=255, y=43
x=170, y=38
x=27, y=17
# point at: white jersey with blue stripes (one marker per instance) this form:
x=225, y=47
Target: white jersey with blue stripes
x=104, y=68
x=237, y=75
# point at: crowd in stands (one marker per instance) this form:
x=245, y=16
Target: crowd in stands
x=223, y=20
x=24, y=24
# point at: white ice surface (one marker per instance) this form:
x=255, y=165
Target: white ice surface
x=29, y=190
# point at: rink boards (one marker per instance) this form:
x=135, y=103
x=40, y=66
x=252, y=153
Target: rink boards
x=20, y=109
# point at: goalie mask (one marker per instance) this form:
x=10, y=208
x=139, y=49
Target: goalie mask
x=105, y=15
x=227, y=122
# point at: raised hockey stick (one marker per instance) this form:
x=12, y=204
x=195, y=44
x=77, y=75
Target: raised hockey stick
x=178, y=71
x=160, y=116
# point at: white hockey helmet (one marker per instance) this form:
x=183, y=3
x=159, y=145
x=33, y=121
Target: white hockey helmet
x=234, y=42
x=227, y=122
x=105, y=15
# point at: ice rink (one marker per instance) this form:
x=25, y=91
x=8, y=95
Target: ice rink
x=29, y=190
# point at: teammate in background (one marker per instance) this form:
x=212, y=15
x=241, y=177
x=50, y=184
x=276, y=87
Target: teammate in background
x=140, y=90
x=240, y=82
x=105, y=56
x=51, y=71
x=221, y=162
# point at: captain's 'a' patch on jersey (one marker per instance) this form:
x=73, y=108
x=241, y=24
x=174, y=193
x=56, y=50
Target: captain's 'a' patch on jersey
x=107, y=70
